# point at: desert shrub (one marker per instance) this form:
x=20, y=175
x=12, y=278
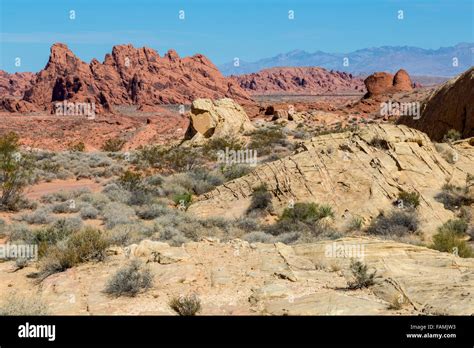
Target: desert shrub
x=19, y=232
x=130, y=181
x=77, y=147
x=204, y=180
x=362, y=278
x=379, y=143
x=409, y=199
x=113, y=145
x=261, y=199
x=96, y=200
x=355, y=224
x=21, y=263
x=129, y=233
x=186, y=305
x=263, y=140
x=308, y=213
x=130, y=280
x=83, y=246
x=235, y=171
x=451, y=135
x=116, y=193
x=89, y=212
x=150, y=212
x=458, y=226
x=247, y=224
x=396, y=223
x=65, y=207
x=115, y=214
x=2, y=228
x=58, y=231
x=174, y=159
x=450, y=238
x=41, y=216
x=22, y=306
x=214, y=145
x=301, y=134
x=454, y=197
x=258, y=237
x=15, y=171
x=447, y=240
x=183, y=200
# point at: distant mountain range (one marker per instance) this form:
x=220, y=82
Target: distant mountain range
x=417, y=61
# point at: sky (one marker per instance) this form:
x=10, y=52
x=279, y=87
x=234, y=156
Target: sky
x=225, y=29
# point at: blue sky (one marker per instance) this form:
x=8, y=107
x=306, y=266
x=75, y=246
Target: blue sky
x=224, y=29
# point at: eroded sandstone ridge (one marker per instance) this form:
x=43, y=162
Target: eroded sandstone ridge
x=216, y=119
x=451, y=106
x=358, y=173
x=300, y=80
x=236, y=278
x=128, y=76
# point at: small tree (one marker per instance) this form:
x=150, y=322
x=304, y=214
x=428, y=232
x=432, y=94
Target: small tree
x=15, y=170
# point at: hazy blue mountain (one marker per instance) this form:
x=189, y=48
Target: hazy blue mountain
x=417, y=61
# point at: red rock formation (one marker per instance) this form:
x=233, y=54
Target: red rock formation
x=15, y=84
x=304, y=80
x=129, y=76
x=402, y=81
x=384, y=83
x=451, y=106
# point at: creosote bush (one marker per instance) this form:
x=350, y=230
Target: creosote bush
x=186, y=305
x=15, y=171
x=130, y=280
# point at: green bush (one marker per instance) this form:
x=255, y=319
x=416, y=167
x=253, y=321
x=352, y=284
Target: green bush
x=450, y=238
x=395, y=223
x=83, y=246
x=214, y=145
x=130, y=181
x=174, y=159
x=183, y=200
x=263, y=140
x=454, y=197
x=130, y=280
x=380, y=143
x=235, y=171
x=409, y=199
x=458, y=226
x=113, y=145
x=308, y=213
x=15, y=171
x=451, y=135
x=77, y=147
x=186, y=305
x=362, y=278
x=261, y=199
